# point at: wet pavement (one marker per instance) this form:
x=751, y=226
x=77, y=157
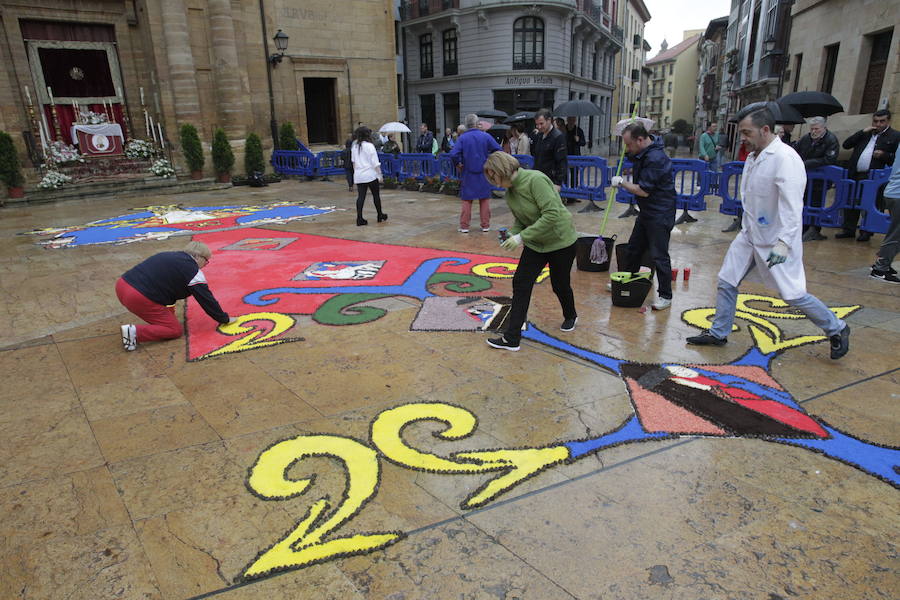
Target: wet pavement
x=149, y=475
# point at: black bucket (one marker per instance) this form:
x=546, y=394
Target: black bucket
x=622, y=249
x=583, y=253
x=630, y=294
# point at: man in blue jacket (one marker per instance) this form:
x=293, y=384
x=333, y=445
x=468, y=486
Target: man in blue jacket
x=469, y=153
x=653, y=186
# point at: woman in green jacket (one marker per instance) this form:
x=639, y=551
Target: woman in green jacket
x=544, y=228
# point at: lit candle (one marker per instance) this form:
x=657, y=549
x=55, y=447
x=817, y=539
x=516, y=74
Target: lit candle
x=28, y=95
x=162, y=142
x=142, y=96
x=50, y=93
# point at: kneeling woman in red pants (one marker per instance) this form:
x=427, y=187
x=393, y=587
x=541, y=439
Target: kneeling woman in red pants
x=150, y=289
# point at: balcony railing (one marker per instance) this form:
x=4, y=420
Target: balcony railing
x=413, y=9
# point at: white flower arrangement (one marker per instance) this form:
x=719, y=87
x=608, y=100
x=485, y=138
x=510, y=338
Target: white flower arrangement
x=162, y=168
x=60, y=152
x=139, y=149
x=92, y=118
x=54, y=180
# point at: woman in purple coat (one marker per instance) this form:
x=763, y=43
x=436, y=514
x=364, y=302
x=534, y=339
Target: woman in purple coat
x=471, y=150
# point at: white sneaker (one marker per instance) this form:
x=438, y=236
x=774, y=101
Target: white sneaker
x=129, y=337
x=485, y=229
x=661, y=304
x=461, y=230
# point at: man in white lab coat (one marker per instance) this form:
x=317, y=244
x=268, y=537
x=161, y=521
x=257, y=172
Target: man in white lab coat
x=769, y=242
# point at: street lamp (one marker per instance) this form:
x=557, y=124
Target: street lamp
x=281, y=44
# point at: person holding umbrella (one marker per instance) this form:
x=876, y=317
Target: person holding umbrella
x=469, y=153
x=818, y=148
x=769, y=242
x=544, y=228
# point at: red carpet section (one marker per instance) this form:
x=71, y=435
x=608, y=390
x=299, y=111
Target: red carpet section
x=269, y=279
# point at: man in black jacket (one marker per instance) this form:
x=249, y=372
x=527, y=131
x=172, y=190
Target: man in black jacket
x=817, y=148
x=425, y=141
x=654, y=187
x=549, y=150
x=873, y=148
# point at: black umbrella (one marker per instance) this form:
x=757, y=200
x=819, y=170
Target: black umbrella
x=784, y=114
x=812, y=104
x=577, y=108
x=520, y=116
x=491, y=113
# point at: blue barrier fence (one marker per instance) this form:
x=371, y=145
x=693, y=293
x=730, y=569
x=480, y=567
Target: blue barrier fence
x=828, y=189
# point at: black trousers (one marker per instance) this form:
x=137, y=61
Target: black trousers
x=349, y=174
x=531, y=263
x=652, y=234
x=361, y=196
x=852, y=215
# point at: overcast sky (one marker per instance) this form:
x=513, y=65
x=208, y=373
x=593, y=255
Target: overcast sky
x=670, y=18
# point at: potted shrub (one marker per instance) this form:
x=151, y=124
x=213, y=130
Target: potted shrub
x=253, y=156
x=10, y=169
x=432, y=184
x=450, y=187
x=411, y=184
x=390, y=183
x=222, y=156
x=193, y=150
x=287, y=139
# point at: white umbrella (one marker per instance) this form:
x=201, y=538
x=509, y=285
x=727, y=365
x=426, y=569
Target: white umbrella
x=394, y=127
x=621, y=125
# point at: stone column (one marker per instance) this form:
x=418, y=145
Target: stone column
x=233, y=106
x=182, y=75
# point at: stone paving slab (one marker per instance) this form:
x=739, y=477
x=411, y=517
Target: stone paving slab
x=124, y=475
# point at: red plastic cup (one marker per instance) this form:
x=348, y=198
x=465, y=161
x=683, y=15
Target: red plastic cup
x=687, y=273
x=674, y=274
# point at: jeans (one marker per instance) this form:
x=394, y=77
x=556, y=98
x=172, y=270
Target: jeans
x=531, y=263
x=891, y=243
x=812, y=307
x=652, y=234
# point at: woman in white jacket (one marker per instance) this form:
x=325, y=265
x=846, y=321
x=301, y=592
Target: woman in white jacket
x=366, y=173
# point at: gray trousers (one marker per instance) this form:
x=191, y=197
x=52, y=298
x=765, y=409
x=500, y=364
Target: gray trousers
x=891, y=243
x=809, y=305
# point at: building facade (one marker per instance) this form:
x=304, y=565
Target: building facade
x=630, y=78
x=711, y=50
x=465, y=56
x=849, y=48
x=757, y=38
x=673, y=84
x=202, y=62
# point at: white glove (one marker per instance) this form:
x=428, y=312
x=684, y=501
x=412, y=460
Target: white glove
x=616, y=181
x=778, y=254
x=512, y=242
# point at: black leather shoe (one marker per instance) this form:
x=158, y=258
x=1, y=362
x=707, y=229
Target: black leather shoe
x=812, y=235
x=382, y=217
x=735, y=225
x=845, y=235
x=361, y=222
x=706, y=339
x=840, y=343
x=864, y=236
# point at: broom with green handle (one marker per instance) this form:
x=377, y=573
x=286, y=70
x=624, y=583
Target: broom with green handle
x=598, y=249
